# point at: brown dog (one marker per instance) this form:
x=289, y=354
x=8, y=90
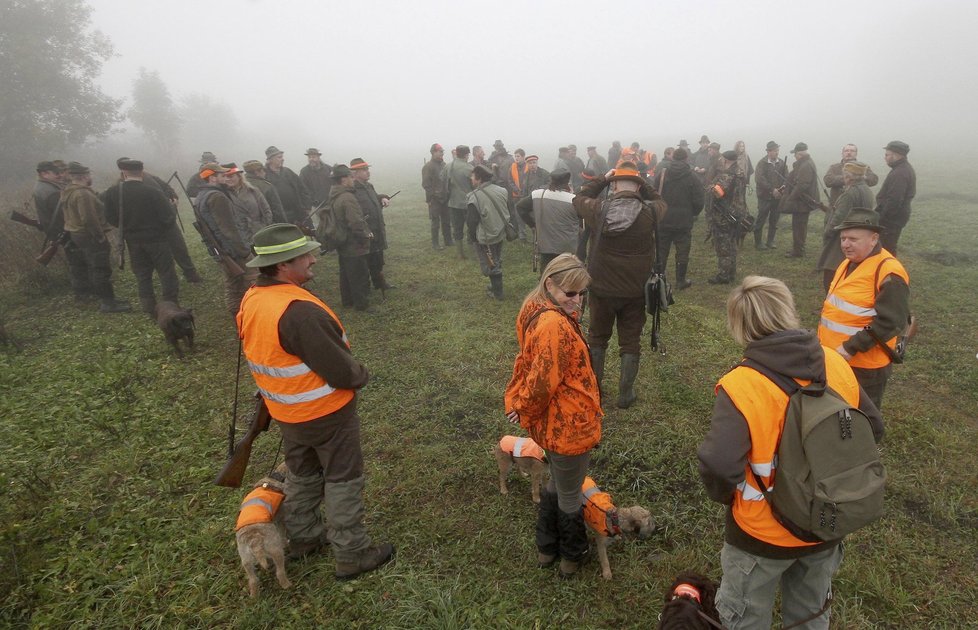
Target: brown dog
x=529, y=460
x=259, y=533
x=176, y=323
x=610, y=523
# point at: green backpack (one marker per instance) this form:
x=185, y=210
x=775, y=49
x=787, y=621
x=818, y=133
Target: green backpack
x=829, y=479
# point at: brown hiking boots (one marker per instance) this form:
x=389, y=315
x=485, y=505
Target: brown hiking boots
x=367, y=560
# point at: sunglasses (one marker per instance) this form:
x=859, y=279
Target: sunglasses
x=574, y=294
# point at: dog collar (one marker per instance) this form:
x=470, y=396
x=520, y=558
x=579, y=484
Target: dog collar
x=686, y=590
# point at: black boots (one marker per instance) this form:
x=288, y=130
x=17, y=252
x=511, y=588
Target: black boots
x=626, y=386
x=496, y=286
x=573, y=541
x=597, y=364
x=548, y=534
x=681, y=281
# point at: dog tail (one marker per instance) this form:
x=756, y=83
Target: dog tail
x=258, y=551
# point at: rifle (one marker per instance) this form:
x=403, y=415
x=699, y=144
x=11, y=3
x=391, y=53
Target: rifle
x=808, y=198
x=26, y=220
x=176, y=208
x=122, y=233
x=51, y=248
x=233, y=471
x=897, y=355
x=211, y=243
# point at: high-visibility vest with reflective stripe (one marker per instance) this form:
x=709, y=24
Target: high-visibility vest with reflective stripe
x=259, y=506
x=850, y=306
x=763, y=404
x=597, y=507
x=292, y=391
x=521, y=447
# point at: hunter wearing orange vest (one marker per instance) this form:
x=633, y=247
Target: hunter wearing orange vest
x=299, y=356
x=758, y=552
x=868, y=303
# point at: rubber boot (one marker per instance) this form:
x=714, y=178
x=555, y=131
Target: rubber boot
x=496, y=286
x=573, y=542
x=548, y=532
x=757, y=241
x=347, y=535
x=460, y=246
x=597, y=363
x=626, y=386
x=434, y=237
x=770, y=240
x=681, y=281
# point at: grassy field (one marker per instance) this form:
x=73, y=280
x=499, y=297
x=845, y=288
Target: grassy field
x=109, y=517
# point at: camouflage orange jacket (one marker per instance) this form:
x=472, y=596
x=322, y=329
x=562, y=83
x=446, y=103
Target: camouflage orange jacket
x=553, y=388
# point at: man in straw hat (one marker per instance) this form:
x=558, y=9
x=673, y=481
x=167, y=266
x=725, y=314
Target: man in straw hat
x=868, y=303
x=299, y=356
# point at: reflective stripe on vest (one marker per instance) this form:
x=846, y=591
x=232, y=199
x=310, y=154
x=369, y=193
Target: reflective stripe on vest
x=259, y=506
x=850, y=306
x=291, y=389
x=763, y=405
x=598, y=508
x=521, y=447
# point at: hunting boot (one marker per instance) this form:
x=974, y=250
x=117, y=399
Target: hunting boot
x=460, y=246
x=496, y=286
x=626, y=384
x=434, y=237
x=573, y=542
x=597, y=364
x=757, y=242
x=681, y=281
x=548, y=532
x=148, y=305
x=347, y=535
x=382, y=284
x=770, y=240
x=114, y=306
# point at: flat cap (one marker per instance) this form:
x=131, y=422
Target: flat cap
x=47, y=166
x=771, y=144
x=129, y=165
x=898, y=147
x=855, y=168
x=77, y=168
x=801, y=146
x=729, y=155
x=252, y=166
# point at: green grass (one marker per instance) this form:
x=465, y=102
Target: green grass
x=109, y=517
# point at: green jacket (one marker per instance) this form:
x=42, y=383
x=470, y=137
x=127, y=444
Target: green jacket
x=490, y=202
x=347, y=212
x=455, y=177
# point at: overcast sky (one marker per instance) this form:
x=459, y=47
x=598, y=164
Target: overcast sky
x=358, y=77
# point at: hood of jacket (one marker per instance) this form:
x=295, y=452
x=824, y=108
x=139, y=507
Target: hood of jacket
x=794, y=353
x=336, y=190
x=678, y=169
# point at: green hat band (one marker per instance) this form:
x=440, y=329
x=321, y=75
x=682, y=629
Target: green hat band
x=277, y=249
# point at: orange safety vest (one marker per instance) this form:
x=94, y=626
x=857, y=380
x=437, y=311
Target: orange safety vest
x=517, y=176
x=521, y=447
x=259, y=506
x=599, y=512
x=850, y=306
x=763, y=405
x=292, y=391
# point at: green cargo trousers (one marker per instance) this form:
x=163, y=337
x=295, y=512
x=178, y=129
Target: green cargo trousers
x=325, y=466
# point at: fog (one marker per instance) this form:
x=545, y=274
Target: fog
x=386, y=79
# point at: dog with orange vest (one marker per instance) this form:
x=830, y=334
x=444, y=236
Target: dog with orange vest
x=610, y=523
x=529, y=459
x=258, y=533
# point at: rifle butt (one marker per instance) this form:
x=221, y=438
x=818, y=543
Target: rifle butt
x=233, y=472
x=45, y=256
x=232, y=266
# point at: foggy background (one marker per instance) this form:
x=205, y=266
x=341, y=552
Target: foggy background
x=383, y=80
